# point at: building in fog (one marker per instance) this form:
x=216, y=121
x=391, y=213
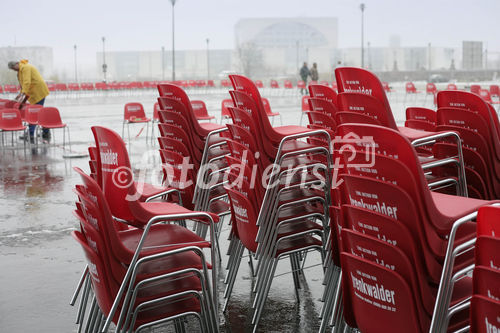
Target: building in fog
x=472, y=55
x=279, y=46
x=399, y=58
x=40, y=56
x=157, y=65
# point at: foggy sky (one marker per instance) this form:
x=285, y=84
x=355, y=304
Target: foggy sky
x=146, y=24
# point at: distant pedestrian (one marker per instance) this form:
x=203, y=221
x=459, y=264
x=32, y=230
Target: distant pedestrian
x=304, y=73
x=33, y=89
x=314, y=72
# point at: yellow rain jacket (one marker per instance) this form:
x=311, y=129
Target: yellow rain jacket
x=32, y=83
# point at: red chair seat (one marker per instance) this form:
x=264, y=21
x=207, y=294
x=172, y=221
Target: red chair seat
x=297, y=243
x=168, y=238
x=138, y=120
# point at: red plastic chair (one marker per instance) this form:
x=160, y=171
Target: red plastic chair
x=430, y=88
x=301, y=84
x=155, y=119
x=248, y=94
x=73, y=87
x=269, y=113
x=495, y=90
x=484, y=314
x=171, y=91
x=10, y=121
x=102, y=86
x=31, y=113
x=288, y=84
x=106, y=291
x=304, y=107
x=323, y=92
x=410, y=88
x=11, y=88
x=258, y=84
x=134, y=113
x=225, y=83
x=485, y=94
x=421, y=119
x=49, y=117
x=61, y=87
x=386, y=87
x=200, y=111
x=474, y=88
x=224, y=109
x=469, y=125
x=274, y=84
x=418, y=113
x=451, y=86
x=472, y=102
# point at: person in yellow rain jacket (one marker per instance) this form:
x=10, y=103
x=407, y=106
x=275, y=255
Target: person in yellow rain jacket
x=33, y=87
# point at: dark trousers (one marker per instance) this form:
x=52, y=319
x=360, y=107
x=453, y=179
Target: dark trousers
x=32, y=127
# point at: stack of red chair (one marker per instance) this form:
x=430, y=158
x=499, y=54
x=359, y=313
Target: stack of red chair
x=278, y=188
x=124, y=261
x=185, y=146
x=403, y=248
x=477, y=123
x=485, y=302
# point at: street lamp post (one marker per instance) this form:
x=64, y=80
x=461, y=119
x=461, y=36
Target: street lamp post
x=362, y=7
x=104, y=66
x=173, y=40
x=208, y=60
x=76, y=69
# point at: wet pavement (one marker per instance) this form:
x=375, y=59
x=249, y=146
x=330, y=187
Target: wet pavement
x=41, y=263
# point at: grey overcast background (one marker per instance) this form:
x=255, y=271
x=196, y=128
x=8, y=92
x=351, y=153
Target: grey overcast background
x=146, y=24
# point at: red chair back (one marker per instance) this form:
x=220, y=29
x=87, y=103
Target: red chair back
x=485, y=280
x=274, y=84
x=31, y=114
x=485, y=94
x=472, y=102
x=173, y=145
x=116, y=171
x=134, y=111
x=10, y=120
x=494, y=90
x=224, y=107
x=49, y=117
x=484, y=314
x=351, y=79
x=474, y=88
x=323, y=92
x=301, y=84
x=368, y=105
x=430, y=88
x=199, y=109
x=98, y=274
x=305, y=103
x=451, y=86
x=245, y=218
x=322, y=105
x=386, y=86
x=378, y=292
x=418, y=113
x=288, y=84
x=156, y=108
x=410, y=88
x=488, y=221
x=267, y=107
x=259, y=84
